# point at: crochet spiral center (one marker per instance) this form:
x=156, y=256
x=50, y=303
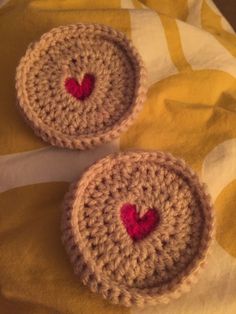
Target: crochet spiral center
x=136, y=226
x=80, y=90
x=81, y=85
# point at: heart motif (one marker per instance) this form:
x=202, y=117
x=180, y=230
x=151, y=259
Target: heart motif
x=138, y=227
x=80, y=90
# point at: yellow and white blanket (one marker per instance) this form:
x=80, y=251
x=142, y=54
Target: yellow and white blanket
x=189, y=50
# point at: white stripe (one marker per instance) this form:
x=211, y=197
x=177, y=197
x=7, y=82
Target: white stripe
x=203, y=51
x=227, y=27
x=213, y=7
x=149, y=38
x=48, y=165
x=219, y=167
x=194, y=15
x=127, y=4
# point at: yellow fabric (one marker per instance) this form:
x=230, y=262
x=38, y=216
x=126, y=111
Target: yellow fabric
x=189, y=50
x=211, y=21
x=225, y=235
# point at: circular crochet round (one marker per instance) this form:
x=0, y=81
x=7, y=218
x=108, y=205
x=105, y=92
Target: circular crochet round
x=137, y=227
x=80, y=85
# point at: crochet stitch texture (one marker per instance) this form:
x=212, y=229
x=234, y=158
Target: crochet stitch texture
x=80, y=85
x=147, y=270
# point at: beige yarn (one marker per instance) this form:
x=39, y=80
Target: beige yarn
x=158, y=267
x=73, y=51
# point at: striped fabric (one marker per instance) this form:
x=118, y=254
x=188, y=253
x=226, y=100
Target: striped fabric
x=190, y=53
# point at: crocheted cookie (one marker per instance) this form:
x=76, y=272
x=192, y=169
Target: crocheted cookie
x=137, y=227
x=80, y=85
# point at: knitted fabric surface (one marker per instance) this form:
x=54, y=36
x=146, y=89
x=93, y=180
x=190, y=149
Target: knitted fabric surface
x=137, y=227
x=80, y=85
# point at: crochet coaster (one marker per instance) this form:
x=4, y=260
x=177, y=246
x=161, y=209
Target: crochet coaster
x=137, y=227
x=80, y=85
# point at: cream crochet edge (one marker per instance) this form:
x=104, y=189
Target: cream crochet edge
x=57, y=138
x=80, y=256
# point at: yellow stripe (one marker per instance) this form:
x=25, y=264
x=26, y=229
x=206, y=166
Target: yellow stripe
x=226, y=214
x=211, y=22
x=174, y=44
x=137, y=4
x=175, y=9
x=74, y=4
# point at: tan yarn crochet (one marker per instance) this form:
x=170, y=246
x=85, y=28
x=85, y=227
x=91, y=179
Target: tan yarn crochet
x=164, y=263
x=74, y=52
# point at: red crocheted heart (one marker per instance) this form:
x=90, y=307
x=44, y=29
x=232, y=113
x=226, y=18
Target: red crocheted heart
x=82, y=90
x=138, y=227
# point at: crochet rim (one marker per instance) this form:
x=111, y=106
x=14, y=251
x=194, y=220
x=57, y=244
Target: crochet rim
x=57, y=138
x=79, y=254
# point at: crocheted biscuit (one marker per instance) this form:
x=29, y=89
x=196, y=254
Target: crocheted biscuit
x=80, y=85
x=137, y=227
